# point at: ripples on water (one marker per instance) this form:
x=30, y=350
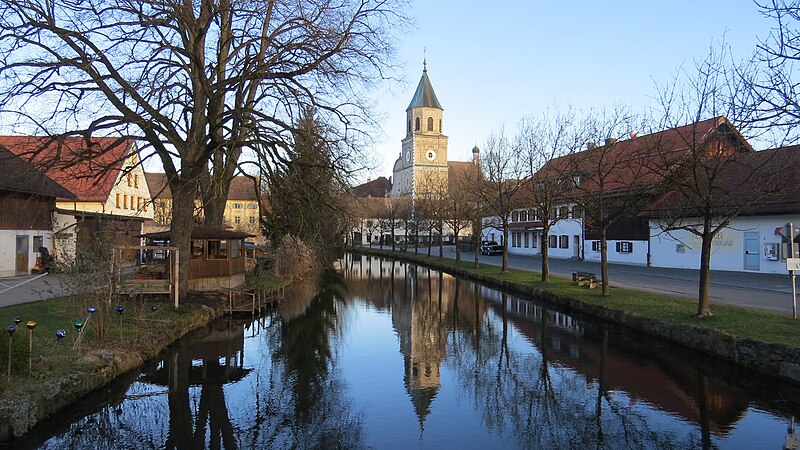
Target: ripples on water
x=390, y=355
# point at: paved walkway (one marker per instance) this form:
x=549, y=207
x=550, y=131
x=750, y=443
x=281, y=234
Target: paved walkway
x=30, y=288
x=771, y=292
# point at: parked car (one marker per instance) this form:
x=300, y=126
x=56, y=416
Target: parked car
x=491, y=248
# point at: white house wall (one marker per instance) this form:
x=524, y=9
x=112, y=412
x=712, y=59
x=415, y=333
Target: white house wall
x=8, y=249
x=681, y=249
x=638, y=255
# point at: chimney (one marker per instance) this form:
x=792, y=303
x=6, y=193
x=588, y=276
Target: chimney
x=591, y=145
x=610, y=141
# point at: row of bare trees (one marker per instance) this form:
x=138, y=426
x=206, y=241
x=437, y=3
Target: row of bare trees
x=206, y=85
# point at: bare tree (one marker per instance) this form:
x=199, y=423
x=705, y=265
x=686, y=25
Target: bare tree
x=543, y=139
x=712, y=172
x=610, y=181
x=502, y=174
x=199, y=82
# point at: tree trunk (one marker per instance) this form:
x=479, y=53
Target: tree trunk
x=545, y=253
x=441, y=240
x=703, y=301
x=604, y=261
x=458, y=249
x=504, y=269
x=183, y=196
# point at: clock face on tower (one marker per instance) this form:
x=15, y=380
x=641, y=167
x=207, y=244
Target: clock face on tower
x=408, y=156
x=430, y=155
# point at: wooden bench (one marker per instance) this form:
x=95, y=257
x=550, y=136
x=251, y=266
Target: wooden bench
x=587, y=279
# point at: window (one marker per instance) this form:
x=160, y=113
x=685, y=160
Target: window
x=577, y=212
x=125, y=201
x=416, y=124
x=136, y=181
x=563, y=241
x=38, y=242
x=527, y=240
x=139, y=203
x=408, y=128
x=217, y=249
x=252, y=219
x=595, y=246
x=252, y=206
x=552, y=241
x=440, y=125
x=198, y=249
x=514, y=239
x=563, y=212
x=430, y=123
x=515, y=216
x=118, y=201
x=533, y=240
x=237, y=206
x=130, y=180
x=624, y=247
x=235, y=248
x=237, y=219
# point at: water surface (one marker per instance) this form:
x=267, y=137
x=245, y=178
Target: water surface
x=390, y=355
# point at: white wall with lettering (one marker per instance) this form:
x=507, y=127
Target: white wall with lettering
x=681, y=249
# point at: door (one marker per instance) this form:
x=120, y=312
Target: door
x=751, y=253
x=22, y=255
x=576, y=246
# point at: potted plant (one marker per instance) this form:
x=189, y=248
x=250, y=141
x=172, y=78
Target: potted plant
x=145, y=272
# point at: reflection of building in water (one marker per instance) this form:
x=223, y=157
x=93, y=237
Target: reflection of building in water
x=419, y=322
x=657, y=378
x=424, y=306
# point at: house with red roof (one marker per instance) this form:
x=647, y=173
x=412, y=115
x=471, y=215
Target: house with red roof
x=753, y=240
x=627, y=177
x=27, y=199
x=107, y=180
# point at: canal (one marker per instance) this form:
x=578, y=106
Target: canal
x=390, y=355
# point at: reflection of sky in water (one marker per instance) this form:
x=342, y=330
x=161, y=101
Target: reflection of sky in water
x=359, y=368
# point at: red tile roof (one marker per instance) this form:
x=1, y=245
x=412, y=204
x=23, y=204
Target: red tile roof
x=243, y=188
x=86, y=167
x=21, y=176
x=379, y=187
x=644, y=160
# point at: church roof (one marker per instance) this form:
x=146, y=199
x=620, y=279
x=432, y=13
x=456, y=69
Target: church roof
x=424, y=96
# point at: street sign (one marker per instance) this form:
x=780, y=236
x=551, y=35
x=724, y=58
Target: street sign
x=792, y=263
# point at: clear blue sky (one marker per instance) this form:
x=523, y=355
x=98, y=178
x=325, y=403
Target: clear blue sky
x=491, y=63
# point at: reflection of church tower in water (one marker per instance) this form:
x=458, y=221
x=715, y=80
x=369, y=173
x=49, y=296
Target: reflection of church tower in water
x=423, y=159
x=419, y=324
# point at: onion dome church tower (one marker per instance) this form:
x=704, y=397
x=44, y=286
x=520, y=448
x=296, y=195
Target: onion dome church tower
x=422, y=164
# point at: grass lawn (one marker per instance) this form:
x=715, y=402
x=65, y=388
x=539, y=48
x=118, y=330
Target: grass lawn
x=745, y=323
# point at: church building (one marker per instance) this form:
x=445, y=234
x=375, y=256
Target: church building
x=421, y=168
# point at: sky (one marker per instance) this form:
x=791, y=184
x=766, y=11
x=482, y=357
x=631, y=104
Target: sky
x=492, y=63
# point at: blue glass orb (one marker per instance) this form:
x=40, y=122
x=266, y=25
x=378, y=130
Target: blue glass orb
x=91, y=309
x=60, y=334
x=11, y=329
x=120, y=309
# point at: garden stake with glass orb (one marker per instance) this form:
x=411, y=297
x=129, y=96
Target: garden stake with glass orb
x=120, y=310
x=60, y=334
x=83, y=326
x=11, y=329
x=30, y=325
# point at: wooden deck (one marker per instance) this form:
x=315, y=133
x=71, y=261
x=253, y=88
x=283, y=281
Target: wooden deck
x=244, y=300
x=139, y=287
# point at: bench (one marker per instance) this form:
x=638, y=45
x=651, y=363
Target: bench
x=584, y=278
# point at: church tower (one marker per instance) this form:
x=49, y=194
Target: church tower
x=422, y=165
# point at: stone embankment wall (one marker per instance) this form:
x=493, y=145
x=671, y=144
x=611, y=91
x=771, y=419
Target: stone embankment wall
x=772, y=359
x=20, y=412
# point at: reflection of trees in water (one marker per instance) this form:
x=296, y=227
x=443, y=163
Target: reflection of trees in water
x=299, y=396
x=202, y=396
x=519, y=392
